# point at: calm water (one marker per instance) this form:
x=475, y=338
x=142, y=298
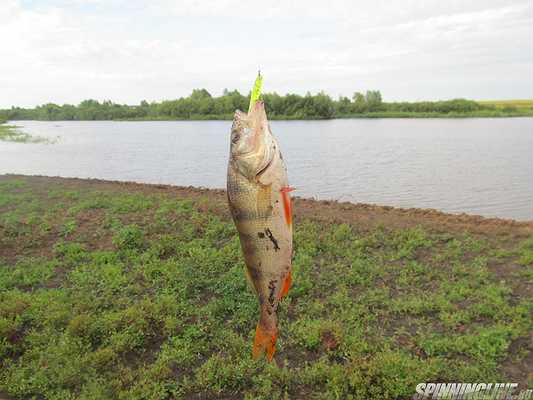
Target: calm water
x=478, y=166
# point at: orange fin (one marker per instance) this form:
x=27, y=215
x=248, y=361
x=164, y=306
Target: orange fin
x=286, y=286
x=287, y=203
x=264, y=341
x=287, y=189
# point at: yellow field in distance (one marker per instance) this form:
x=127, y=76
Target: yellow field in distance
x=509, y=103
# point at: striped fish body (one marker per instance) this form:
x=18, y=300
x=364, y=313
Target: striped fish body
x=258, y=196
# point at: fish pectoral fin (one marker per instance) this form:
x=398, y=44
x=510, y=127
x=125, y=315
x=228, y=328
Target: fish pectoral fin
x=287, y=189
x=286, y=286
x=265, y=341
x=287, y=209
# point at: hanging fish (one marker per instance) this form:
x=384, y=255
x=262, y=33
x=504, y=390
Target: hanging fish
x=258, y=196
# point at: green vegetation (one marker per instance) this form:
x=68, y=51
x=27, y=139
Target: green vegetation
x=115, y=292
x=200, y=105
x=510, y=104
x=10, y=133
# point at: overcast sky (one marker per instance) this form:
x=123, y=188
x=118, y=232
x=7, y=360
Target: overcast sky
x=64, y=51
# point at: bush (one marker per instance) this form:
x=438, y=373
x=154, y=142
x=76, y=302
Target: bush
x=129, y=237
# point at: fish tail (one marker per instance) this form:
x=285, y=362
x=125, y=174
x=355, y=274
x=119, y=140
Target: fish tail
x=265, y=341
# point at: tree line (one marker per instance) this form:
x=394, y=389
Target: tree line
x=202, y=105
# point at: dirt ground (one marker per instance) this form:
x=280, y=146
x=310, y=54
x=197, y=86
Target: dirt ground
x=361, y=214
x=507, y=233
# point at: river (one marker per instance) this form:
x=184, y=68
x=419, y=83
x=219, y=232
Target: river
x=477, y=166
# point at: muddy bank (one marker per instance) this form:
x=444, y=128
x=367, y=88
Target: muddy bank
x=360, y=214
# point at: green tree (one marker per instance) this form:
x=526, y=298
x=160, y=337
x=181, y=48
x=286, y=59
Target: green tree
x=359, y=103
x=373, y=100
x=201, y=104
x=344, y=105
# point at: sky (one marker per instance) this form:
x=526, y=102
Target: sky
x=65, y=51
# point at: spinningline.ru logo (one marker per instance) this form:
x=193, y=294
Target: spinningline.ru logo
x=471, y=391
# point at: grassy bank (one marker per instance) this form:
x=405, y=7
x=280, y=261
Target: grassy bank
x=517, y=104
x=127, y=291
x=10, y=133
x=506, y=107
x=497, y=112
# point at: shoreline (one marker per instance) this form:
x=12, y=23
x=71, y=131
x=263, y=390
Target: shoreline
x=375, y=115
x=319, y=210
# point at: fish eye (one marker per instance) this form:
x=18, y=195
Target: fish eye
x=235, y=137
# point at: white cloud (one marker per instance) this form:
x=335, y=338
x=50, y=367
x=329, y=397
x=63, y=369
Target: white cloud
x=66, y=51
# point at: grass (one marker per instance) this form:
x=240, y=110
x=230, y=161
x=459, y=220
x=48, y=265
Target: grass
x=499, y=111
x=124, y=294
x=514, y=107
x=11, y=133
x=521, y=104
x=496, y=113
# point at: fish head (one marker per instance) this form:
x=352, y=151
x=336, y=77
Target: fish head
x=252, y=143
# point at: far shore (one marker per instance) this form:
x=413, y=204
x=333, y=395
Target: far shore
x=202, y=106
x=376, y=115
